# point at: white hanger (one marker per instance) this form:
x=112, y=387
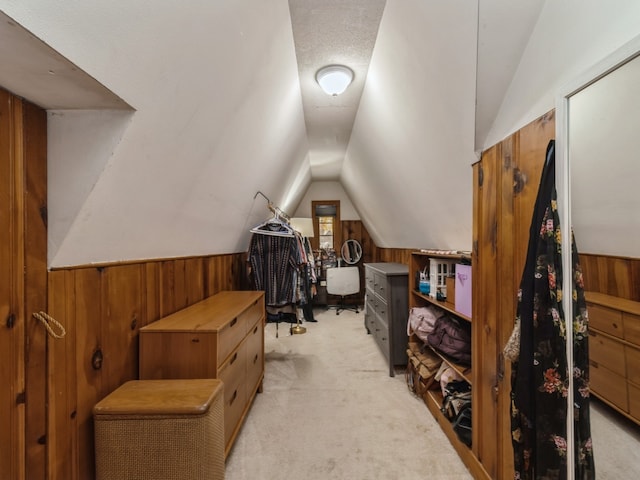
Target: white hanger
x=265, y=228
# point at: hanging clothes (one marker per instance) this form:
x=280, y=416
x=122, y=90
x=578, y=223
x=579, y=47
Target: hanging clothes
x=308, y=281
x=539, y=379
x=274, y=264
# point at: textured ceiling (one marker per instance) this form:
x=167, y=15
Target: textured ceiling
x=332, y=32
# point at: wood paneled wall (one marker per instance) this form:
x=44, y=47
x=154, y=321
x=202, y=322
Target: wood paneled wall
x=397, y=255
x=612, y=275
x=102, y=309
x=355, y=229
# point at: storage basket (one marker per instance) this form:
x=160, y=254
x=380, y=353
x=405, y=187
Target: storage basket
x=161, y=430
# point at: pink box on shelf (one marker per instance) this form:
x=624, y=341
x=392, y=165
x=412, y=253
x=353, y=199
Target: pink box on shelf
x=463, y=289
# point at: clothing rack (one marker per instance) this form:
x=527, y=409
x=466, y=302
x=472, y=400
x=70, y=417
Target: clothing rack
x=275, y=210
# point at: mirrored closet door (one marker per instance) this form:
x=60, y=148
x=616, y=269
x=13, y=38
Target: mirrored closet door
x=600, y=131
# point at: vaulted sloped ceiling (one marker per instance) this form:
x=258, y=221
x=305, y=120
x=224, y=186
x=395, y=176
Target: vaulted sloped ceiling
x=204, y=108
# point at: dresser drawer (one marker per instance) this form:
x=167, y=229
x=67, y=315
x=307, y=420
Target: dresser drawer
x=381, y=335
x=634, y=401
x=230, y=336
x=174, y=355
x=631, y=327
x=381, y=309
x=607, y=352
x=380, y=286
x=606, y=320
x=255, y=356
x=633, y=364
x=608, y=385
x=233, y=376
x=251, y=315
x=369, y=278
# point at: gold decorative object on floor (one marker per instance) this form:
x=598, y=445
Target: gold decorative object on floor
x=298, y=329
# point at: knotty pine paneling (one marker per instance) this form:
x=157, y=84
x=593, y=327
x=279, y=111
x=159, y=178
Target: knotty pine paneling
x=33, y=137
x=396, y=255
x=12, y=305
x=103, y=309
x=611, y=275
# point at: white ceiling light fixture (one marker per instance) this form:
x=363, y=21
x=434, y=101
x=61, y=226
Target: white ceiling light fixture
x=334, y=79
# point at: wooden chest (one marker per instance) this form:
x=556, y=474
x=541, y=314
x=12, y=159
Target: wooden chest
x=219, y=337
x=161, y=429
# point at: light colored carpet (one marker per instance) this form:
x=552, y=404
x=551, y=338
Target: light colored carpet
x=616, y=444
x=329, y=410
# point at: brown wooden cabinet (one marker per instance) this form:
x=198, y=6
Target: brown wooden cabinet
x=614, y=352
x=433, y=397
x=219, y=337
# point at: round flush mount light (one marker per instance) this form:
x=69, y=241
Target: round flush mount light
x=334, y=79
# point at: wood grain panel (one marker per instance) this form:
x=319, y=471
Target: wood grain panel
x=123, y=305
x=225, y=272
x=103, y=309
x=611, y=275
x=34, y=141
x=529, y=161
x=12, y=315
x=88, y=310
x=485, y=284
x=62, y=383
x=507, y=281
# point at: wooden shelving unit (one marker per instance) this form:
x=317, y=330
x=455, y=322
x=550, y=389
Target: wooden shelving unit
x=433, y=398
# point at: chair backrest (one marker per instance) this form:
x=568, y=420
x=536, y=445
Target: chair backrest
x=343, y=280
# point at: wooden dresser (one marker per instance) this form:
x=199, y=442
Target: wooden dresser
x=219, y=337
x=614, y=352
x=387, y=309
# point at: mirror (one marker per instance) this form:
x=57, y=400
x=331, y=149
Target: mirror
x=597, y=157
x=351, y=251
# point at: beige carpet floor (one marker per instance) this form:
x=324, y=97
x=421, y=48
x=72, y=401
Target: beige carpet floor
x=329, y=410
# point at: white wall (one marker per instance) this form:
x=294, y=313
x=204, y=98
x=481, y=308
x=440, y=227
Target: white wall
x=408, y=165
x=218, y=117
x=326, y=190
x=570, y=37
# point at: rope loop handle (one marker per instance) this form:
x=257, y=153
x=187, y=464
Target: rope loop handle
x=47, y=320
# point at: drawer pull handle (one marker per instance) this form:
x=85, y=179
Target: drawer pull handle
x=233, y=322
x=255, y=330
x=615, y=325
x=233, y=397
x=234, y=358
x=255, y=359
x=195, y=340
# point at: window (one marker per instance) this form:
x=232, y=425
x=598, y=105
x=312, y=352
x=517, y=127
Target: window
x=326, y=220
x=326, y=232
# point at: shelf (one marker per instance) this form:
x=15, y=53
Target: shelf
x=433, y=401
x=450, y=256
x=443, y=305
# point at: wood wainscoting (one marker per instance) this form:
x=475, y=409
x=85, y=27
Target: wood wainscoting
x=611, y=275
x=103, y=309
